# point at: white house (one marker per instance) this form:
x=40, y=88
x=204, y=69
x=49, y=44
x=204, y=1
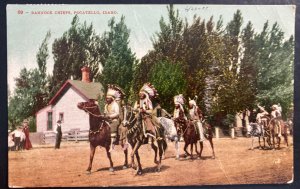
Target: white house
x=63, y=106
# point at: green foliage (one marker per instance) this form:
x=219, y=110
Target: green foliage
x=78, y=47
x=28, y=97
x=169, y=80
x=118, y=68
x=229, y=120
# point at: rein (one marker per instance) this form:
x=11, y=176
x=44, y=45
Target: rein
x=86, y=109
x=98, y=131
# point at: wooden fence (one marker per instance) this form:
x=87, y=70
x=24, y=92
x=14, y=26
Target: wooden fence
x=76, y=135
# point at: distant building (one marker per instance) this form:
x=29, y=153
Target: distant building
x=63, y=106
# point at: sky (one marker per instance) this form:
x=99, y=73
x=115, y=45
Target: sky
x=27, y=27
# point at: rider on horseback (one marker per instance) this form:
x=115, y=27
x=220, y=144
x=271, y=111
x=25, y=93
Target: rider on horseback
x=276, y=115
x=196, y=116
x=112, y=111
x=144, y=106
x=261, y=118
x=179, y=115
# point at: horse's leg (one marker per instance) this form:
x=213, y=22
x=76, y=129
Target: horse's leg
x=177, y=147
x=126, y=158
x=139, y=170
x=132, y=156
x=196, y=149
x=160, y=150
x=259, y=142
x=279, y=140
x=252, y=145
x=192, y=144
x=109, y=157
x=184, y=149
x=212, y=147
x=154, y=147
x=264, y=139
x=286, y=139
x=201, y=148
x=92, y=153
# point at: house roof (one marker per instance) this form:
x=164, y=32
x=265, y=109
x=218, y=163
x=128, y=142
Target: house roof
x=89, y=90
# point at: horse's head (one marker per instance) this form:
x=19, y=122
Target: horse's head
x=89, y=106
x=128, y=115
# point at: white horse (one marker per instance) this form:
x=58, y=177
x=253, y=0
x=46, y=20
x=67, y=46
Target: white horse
x=170, y=132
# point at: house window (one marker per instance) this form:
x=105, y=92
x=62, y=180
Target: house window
x=61, y=116
x=49, y=121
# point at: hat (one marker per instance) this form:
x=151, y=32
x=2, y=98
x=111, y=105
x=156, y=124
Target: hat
x=58, y=121
x=179, y=99
x=149, y=89
x=20, y=127
x=115, y=92
x=25, y=121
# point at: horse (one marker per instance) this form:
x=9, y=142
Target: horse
x=274, y=132
x=171, y=132
x=191, y=137
x=208, y=134
x=99, y=133
x=260, y=131
x=136, y=138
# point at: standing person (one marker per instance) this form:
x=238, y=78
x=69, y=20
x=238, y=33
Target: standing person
x=22, y=142
x=17, y=137
x=196, y=116
x=247, y=119
x=10, y=142
x=58, y=135
x=112, y=111
x=26, y=131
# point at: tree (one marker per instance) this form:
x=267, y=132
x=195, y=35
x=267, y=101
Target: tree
x=275, y=68
x=164, y=76
x=78, y=47
x=118, y=68
x=27, y=98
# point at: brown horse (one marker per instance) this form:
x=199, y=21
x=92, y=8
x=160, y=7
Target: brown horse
x=275, y=126
x=99, y=133
x=191, y=137
x=136, y=138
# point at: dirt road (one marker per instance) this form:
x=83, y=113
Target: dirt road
x=234, y=164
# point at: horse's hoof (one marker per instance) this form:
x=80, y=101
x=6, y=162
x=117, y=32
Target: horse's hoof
x=198, y=157
x=158, y=170
x=111, y=169
x=188, y=157
x=177, y=158
x=88, y=172
x=125, y=167
x=156, y=162
x=139, y=172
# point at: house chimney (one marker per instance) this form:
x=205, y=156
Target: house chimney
x=85, y=74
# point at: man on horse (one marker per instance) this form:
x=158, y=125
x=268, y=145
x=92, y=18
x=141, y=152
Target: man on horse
x=261, y=118
x=276, y=115
x=112, y=111
x=146, y=115
x=196, y=116
x=179, y=115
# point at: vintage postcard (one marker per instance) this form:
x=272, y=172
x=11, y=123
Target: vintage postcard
x=150, y=95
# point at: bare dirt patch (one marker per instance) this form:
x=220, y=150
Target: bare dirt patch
x=234, y=164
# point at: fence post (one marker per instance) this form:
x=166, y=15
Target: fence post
x=76, y=132
x=217, y=132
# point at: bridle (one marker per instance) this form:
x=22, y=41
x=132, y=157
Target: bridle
x=125, y=121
